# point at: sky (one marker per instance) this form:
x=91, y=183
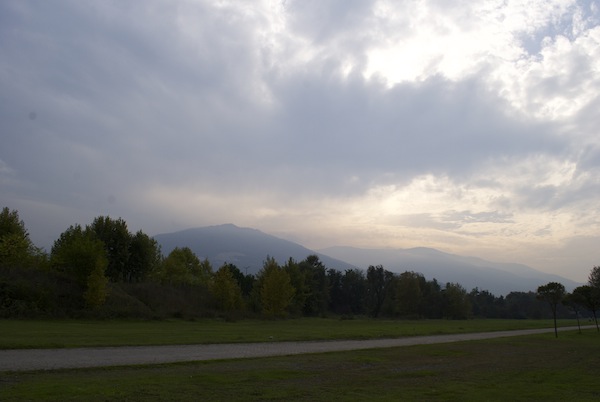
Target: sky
x=470, y=127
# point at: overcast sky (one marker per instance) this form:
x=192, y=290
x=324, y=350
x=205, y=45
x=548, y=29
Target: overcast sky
x=467, y=126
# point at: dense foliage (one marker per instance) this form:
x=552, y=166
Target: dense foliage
x=103, y=270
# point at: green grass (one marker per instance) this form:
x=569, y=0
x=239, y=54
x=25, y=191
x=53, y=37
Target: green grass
x=527, y=368
x=16, y=334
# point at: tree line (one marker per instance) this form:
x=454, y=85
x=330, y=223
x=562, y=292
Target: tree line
x=104, y=270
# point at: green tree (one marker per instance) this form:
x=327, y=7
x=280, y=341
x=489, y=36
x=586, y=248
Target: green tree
x=79, y=254
x=589, y=298
x=593, y=294
x=334, y=278
x=144, y=257
x=409, y=295
x=299, y=282
x=96, y=290
x=354, y=290
x=572, y=300
x=391, y=305
x=226, y=291
x=553, y=293
x=594, y=278
x=116, y=238
x=16, y=249
x=486, y=305
x=245, y=281
x=315, y=285
x=274, y=288
x=346, y=291
x=378, y=282
x=456, y=302
x=524, y=305
x=180, y=267
x=433, y=299
x=203, y=273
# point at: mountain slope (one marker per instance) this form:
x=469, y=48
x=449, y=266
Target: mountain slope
x=470, y=272
x=246, y=248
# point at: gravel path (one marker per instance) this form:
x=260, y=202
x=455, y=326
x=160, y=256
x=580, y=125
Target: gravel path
x=51, y=359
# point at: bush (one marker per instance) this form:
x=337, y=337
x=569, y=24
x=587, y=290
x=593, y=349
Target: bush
x=171, y=300
x=29, y=293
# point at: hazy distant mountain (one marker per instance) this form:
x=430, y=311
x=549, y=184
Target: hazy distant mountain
x=246, y=248
x=470, y=272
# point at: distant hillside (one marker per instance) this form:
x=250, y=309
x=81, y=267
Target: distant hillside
x=246, y=248
x=470, y=272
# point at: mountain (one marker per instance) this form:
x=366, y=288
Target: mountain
x=245, y=247
x=248, y=248
x=470, y=272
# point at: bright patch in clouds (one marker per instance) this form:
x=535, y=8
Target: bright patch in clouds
x=430, y=39
x=471, y=126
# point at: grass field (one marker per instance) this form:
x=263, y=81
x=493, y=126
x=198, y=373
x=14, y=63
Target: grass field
x=528, y=368
x=16, y=334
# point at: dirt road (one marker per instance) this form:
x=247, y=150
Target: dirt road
x=52, y=359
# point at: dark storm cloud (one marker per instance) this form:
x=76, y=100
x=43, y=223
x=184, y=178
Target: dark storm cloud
x=349, y=127
x=144, y=96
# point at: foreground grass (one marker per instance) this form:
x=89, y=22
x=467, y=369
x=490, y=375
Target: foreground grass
x=15, y=334
x=527, y=368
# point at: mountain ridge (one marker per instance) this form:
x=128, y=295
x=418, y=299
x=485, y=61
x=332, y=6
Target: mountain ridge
x=248, y=248
x=470, y=272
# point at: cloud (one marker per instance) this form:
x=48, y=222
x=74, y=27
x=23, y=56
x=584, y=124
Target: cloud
x=466, y=127
x=5, y=170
